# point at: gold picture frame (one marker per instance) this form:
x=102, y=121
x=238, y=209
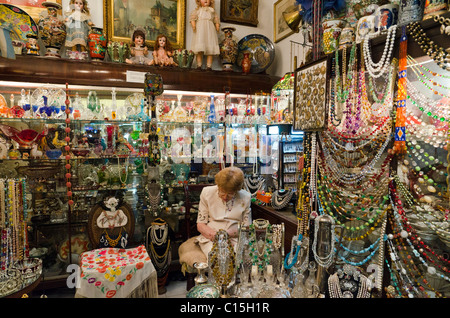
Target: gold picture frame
x=155, y=17
x=243, y=12
x=33, y=10
x=280, y=28
x=311, y=89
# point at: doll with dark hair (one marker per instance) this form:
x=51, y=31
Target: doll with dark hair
x=163, y=53
x=139, y=50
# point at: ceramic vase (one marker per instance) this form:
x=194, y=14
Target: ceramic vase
x=410, y=11
x=385, y=17
x=228, y=49
x=97, y=44
x=246, y=63
x=365, y=28
x=118, y=51
x=52, y=29
x=347, y=37
x=183, y=58
x=331, y=32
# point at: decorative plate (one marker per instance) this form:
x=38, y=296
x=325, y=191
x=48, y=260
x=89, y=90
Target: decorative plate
x=261, y=49
x=203, y=291
x=21, y=23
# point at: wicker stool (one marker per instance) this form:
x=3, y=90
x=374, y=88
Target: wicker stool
x=189, y=253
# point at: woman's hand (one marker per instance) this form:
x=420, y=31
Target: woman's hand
x=206, y=231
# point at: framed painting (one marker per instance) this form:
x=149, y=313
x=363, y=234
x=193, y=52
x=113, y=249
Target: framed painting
x=280, y=28
x=311, y=86
x=154, y=17
x=243, y=12
x=32, y=7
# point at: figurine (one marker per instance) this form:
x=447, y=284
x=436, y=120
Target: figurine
x=32, y=45
x=205, y=24
x=139, y=51
x=78, y=22
x=163, y=52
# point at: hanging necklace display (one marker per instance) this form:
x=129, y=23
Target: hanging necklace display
x=324, y=225
x=377, y=69
x=222, y=261
x=254, y=182
x=349, y=283
x=154, y=197
x=260, y=247
x=158, y=243
x=281, y=198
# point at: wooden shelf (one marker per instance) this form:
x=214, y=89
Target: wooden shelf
x=61, y=71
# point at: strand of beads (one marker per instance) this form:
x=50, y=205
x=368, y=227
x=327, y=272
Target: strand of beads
x=375, y=246
x=414, y=272
x=407, y=231
x=427, y=69
x=429, y=47
x=379, y=68
x=424, y=79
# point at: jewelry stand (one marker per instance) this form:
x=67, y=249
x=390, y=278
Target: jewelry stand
x=222, y=262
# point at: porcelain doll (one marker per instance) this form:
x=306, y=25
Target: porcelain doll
x=163, y=52
x=139, y=50
x=78, y=23
x=205, y=24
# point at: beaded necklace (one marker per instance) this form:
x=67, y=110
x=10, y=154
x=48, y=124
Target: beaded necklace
x=260, y=254
x=436, y=52
x=410, y=265
x=427, y=69
x=303, y=206
x=222, y=259
x=379, y=68
x=424, y=79
x=401, y=232
x=348, y=177
x=410, y=232
x=373, y=248
x=405, y=281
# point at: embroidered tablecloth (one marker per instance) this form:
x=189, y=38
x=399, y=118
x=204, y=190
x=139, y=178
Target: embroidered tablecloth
x=117, y=273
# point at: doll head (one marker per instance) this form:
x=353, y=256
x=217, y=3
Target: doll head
x=80, y=5
x=162, y=41
x=138, y=37
x=205, y=3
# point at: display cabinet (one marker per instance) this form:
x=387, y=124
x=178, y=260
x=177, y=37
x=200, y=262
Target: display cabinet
x=79, y=133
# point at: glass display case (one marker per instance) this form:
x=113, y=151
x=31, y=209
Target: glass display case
x=78, y=146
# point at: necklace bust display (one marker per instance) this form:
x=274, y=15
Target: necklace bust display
x=113, y=217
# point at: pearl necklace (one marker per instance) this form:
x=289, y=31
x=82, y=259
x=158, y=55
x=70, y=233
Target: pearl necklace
x=379, y=68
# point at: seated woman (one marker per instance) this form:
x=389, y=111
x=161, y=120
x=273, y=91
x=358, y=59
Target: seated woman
x=223, y=206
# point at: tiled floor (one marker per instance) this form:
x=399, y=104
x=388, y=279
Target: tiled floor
x=175, y=289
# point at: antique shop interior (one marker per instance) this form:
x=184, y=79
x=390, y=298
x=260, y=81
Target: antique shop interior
x=225, y=149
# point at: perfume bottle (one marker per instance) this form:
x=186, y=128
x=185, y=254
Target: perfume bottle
x=212, y=111
x=113, y=104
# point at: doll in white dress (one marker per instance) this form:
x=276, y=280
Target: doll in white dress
x=206, y=25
